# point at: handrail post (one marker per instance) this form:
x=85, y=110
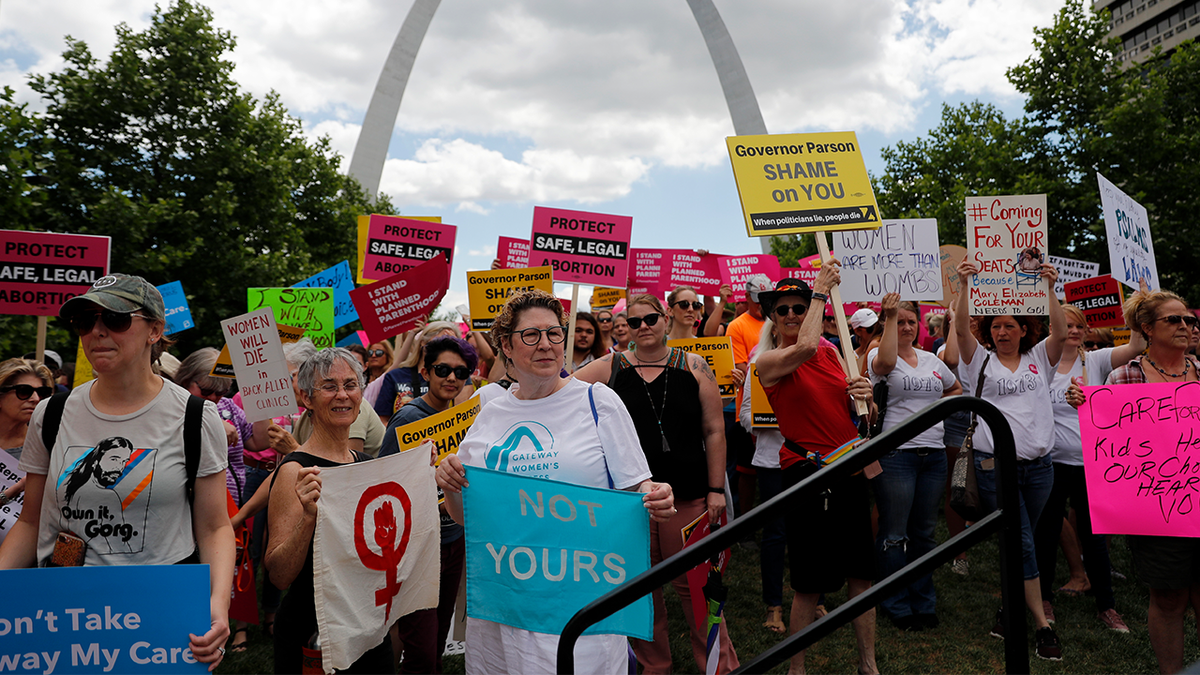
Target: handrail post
x=1012, y=576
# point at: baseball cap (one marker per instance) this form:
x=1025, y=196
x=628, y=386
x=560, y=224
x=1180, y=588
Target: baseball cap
x=757, y=284
x=119, y=293
x=49, y=357
x=785, y=287
x=863, y=318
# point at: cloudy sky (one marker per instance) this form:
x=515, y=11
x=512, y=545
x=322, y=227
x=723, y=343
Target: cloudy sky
x=611, y=107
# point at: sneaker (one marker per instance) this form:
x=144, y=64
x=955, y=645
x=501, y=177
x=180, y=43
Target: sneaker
x=1113, y=621
x=1048, y=610
x=959, y=566
x=998, y=629
x=1048, y=646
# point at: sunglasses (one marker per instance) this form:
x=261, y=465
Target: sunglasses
x=683, y=304
x=635, y=322
x=605, y=320
x=116, y=322
x=461, y=373
x=798, y=309
x=1092, y=345
x=205, y=392
x=24, y=391
x=532, y=336
x=1176, y=319
x=376, y=352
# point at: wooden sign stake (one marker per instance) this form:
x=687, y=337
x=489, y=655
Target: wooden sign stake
x=41, y=338
x=571, y=328
x=839, y=313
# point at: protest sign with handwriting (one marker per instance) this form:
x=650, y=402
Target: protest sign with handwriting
x=900, y=257
x=262, y=371
x=307, y=308
x=338, y=278
x=1007, y=240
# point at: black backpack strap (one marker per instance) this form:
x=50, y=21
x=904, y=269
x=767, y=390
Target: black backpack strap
x=618, y=364
x=52, y=419
x=193, y=423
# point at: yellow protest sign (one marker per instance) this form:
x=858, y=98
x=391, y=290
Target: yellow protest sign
x=446, y=429
x=762, y=416
x=224, y=365
x=83, y=368
x=795, y=183
x=488, y=291
x=717, y=353
x=363, y=222
x=606, y=298
x=1120, y=337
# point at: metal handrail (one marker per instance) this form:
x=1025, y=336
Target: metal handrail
x=1005, y=519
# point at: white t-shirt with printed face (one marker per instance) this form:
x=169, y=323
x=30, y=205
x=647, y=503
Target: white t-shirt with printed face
x=1067, y=441
x=119, y=481
x=1023, y=396
x=912, y=388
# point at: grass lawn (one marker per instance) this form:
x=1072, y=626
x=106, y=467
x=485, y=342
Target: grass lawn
x=966, y=607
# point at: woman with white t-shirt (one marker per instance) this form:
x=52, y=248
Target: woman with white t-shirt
x=597, y=446
x=913, y=480
x=1017, y=371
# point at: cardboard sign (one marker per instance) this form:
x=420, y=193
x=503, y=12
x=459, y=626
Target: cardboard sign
x=701, y=272
x=900, y=257
x=532, y=539
x=258, y=361
x=582, y=247
x=445, y=429
x=364, y=224
x=178, y=314
x=606, y=298
x=735, y=270
x=1100, y=300
x=650, y=270
x=718, y=354
x=224, y=365
x=307, y=308
x=1130, y=246
x=951, y=256
x=1071, y=270
x=762, y=415
x=338, y=279
x=513, y=253
x=1007, y=237
x=1140, y=445
x=489, y=291
x=39, y=271
x=393, y=306
x=107, y=618
x=9, y=475
x=396, y=244
x=795, y=183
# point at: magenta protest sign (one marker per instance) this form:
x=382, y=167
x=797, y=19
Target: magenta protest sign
x=39, y=271
x=701, y=272
x=397, y=244
x=393, y=305
x=581, y=247
x=650, y=268
x=1141, y=458
x=736, y=269
x=513, y=253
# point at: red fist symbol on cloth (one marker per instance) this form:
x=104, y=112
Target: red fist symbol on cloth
x=391, y=551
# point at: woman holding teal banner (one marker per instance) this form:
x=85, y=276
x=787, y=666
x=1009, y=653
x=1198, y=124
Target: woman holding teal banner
x=548, y=427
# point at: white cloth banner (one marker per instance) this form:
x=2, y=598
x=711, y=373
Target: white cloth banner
x=376, y=551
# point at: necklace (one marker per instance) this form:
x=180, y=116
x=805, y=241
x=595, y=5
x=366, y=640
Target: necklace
x=643, y=360
x=658, y=412
x=1186, y=364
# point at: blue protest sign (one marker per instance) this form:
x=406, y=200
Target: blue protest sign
x=354, y=338
x=531, y=539
x=117, y=619
x=179, y=315
x=341, y=280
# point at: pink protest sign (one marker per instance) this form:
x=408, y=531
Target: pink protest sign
x=701, y=272
x=39, y=271
x=806, y=270
x=392, y=306
x=923, y=331
x=650, y=268
x=736, y=269
x=581, y=247
x=397, y=244
x=1141, y=456
x=513, y=253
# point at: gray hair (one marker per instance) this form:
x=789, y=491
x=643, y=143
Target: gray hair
x=299, y=351
x=196, y=368
x=317, y=368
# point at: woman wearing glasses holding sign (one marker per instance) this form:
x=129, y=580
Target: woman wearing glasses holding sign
x=23, y=384
x=596, y=446
x=666, y=392
x=115, y=476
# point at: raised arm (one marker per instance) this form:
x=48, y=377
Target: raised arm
x=962, y=310
x=949, y=355
x=885, y=358
x=1058, y=319
x=775, y=364
x=712, y=327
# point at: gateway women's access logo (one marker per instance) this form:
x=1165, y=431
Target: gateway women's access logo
x=525, y=448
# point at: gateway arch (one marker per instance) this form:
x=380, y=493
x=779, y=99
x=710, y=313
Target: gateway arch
x=370, y=152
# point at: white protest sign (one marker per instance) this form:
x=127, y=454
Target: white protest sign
x=9, y=475
x=1130, y=247
x=1071, y=270
x=900, y=257
x=1007, y=239
x=258, y=362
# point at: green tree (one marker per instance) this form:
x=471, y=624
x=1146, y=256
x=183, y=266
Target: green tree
x=192, y=178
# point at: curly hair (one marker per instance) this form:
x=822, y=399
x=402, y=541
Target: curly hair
x=1032, y=326
x=517, y=303
x=1139, y=309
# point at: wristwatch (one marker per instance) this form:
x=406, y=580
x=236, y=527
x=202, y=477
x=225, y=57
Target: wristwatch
x=820, y=296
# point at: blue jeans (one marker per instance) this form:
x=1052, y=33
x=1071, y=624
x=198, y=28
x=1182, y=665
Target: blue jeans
x=271, y=596
x=908, y=494
x=774, y=539
x=1035, y=479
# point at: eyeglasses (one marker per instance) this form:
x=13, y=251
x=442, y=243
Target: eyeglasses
x=24, y=391
x=605, y=320
x=116, y=322
x=798, y=309
x=332, y=388
x=376, y=352
x=443, y=370
x=635, y=322
x=532, y=336
x=1176, y=319
x=683, y=304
